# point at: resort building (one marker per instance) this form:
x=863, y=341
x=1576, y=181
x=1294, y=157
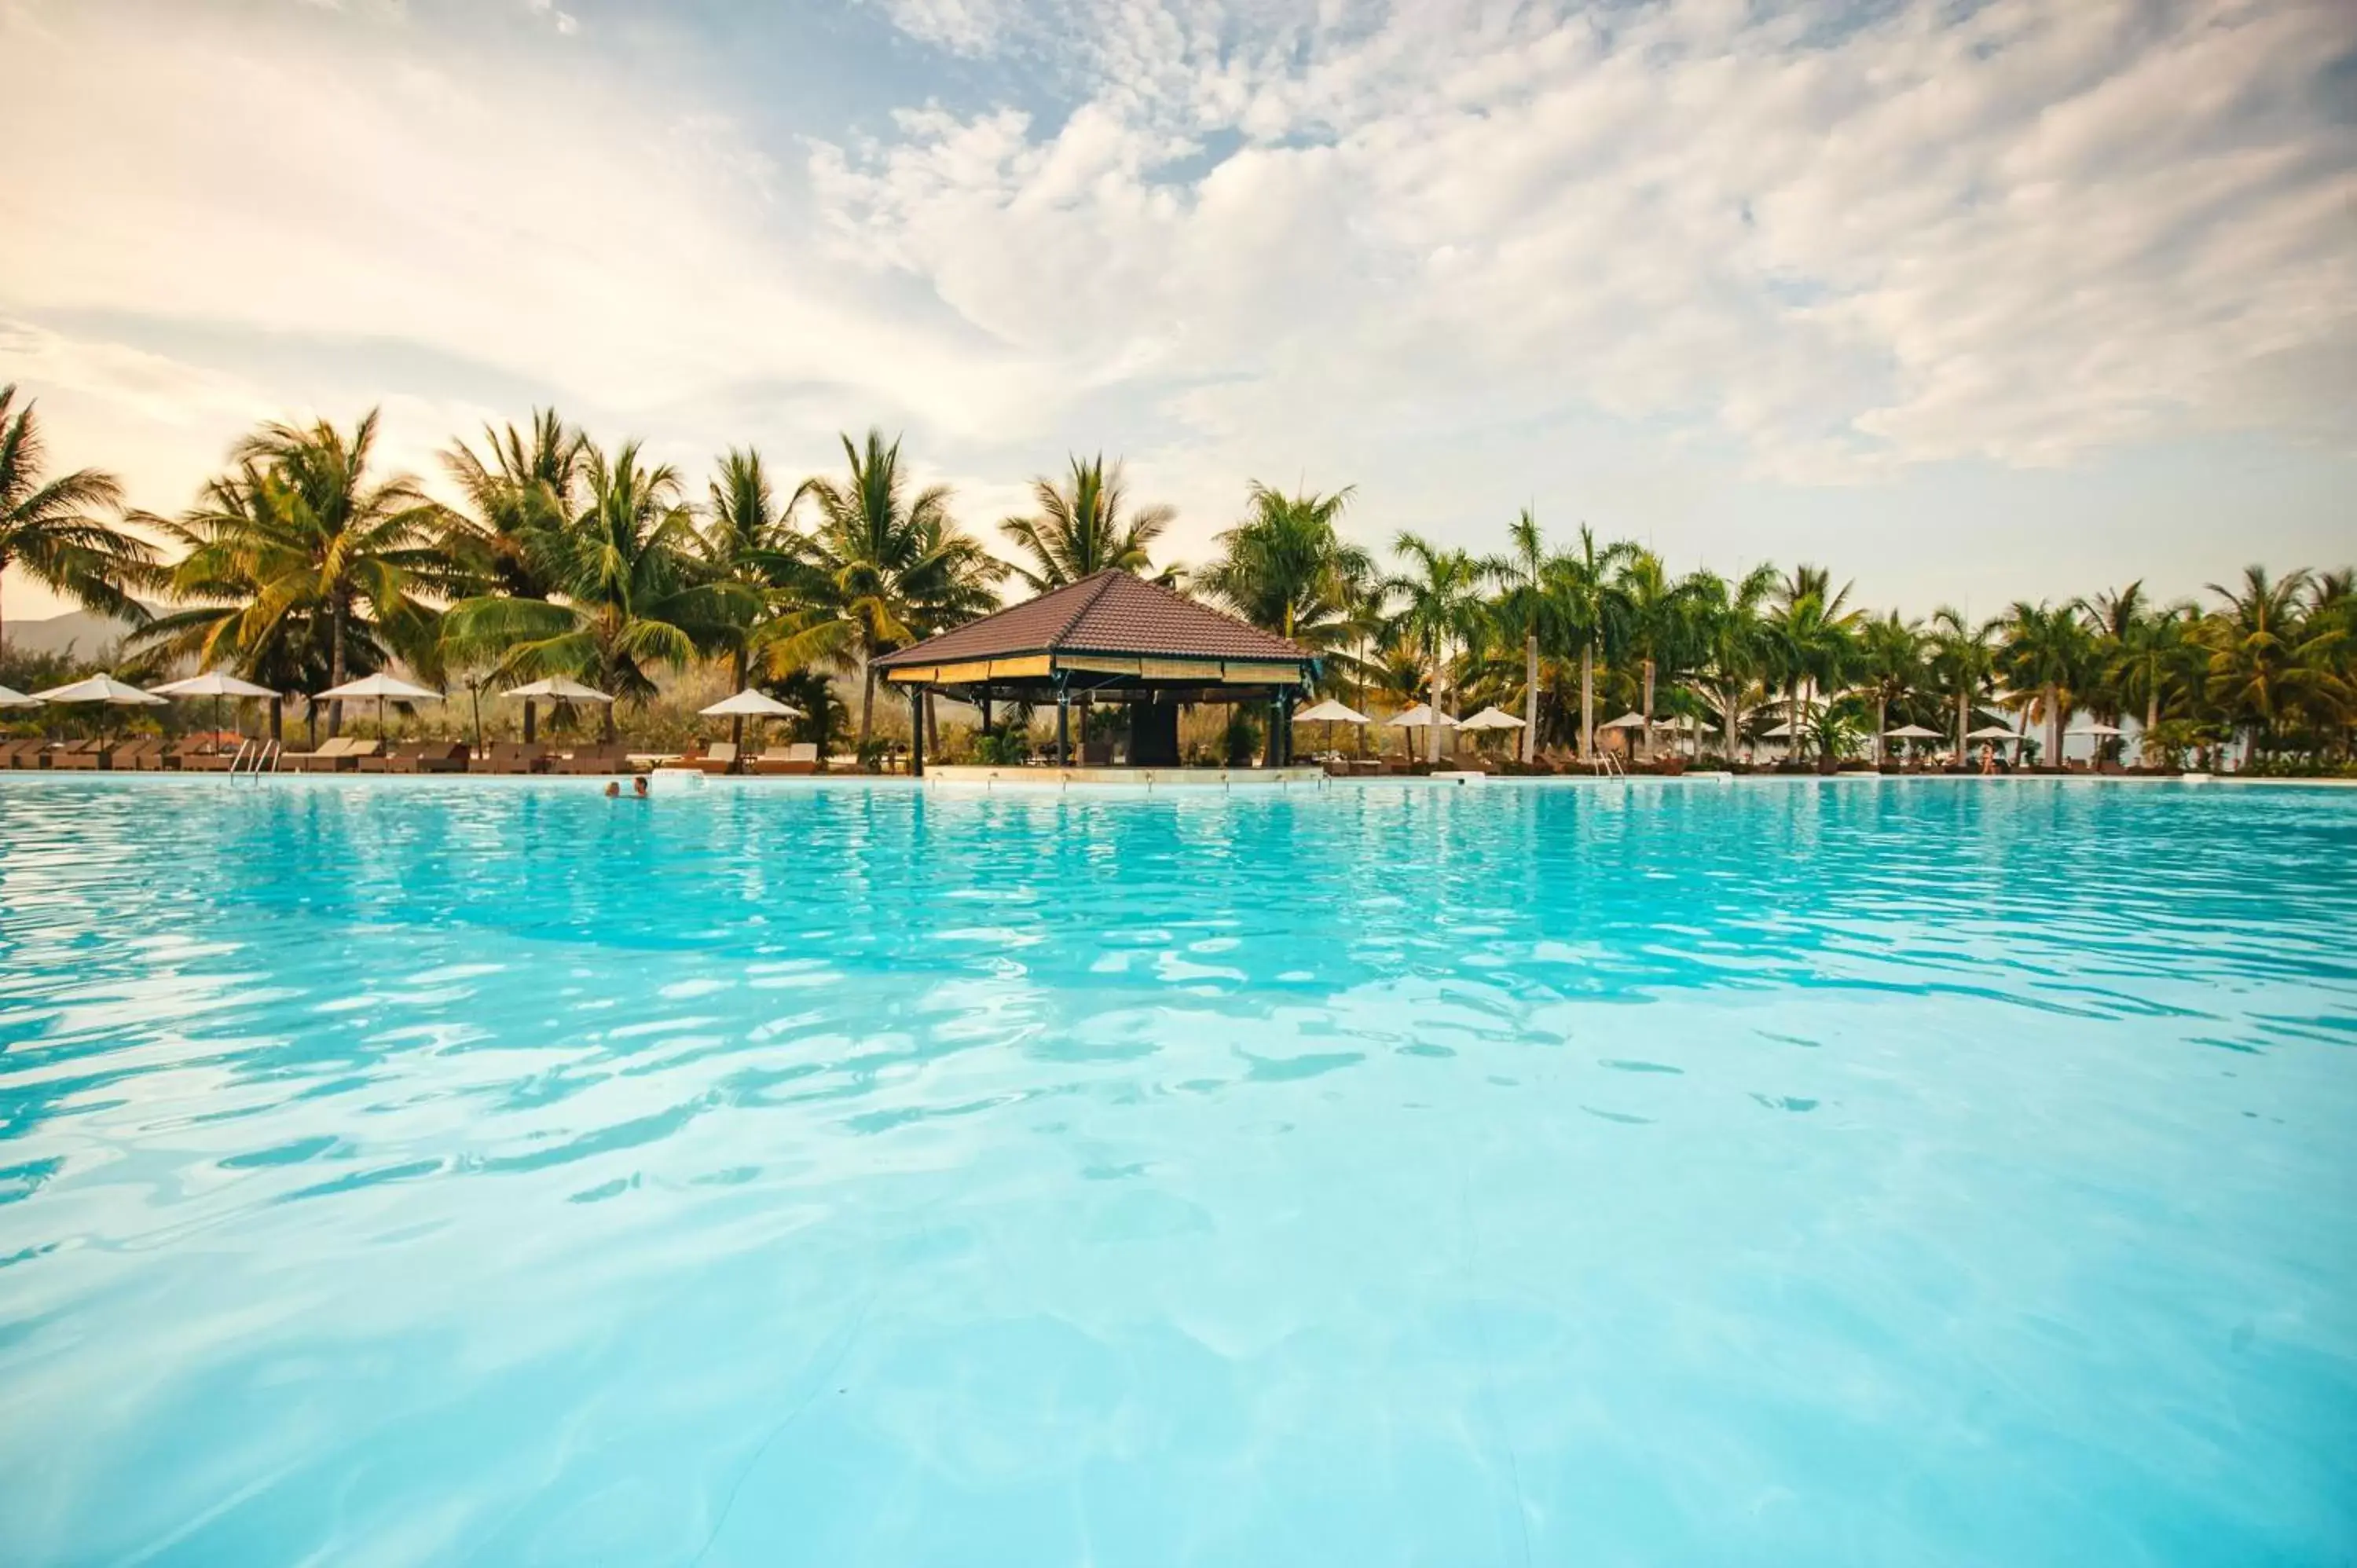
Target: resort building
x=1112, y=641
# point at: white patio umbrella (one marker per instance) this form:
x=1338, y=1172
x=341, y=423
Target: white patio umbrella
x=750, y=705
x=99, y=689
x=1490, y=718
x=1778, y=732
x=1626, y=721
x=1329, y=713
x=560, y=687
x=1421, y=716
x=105, y=690
x=1911, y=732
x=1993, y=732
x=216, y=685
x=2099, y=731
x=13, y=699
x=384, y=688
x=556, y=689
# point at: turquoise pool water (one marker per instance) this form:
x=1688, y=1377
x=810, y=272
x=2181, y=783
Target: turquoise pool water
x=1940, y=1172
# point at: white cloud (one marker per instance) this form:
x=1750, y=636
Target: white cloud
x=1463, y=252
x=2024, y=235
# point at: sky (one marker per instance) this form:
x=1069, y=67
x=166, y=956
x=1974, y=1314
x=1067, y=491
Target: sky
x=1970, y=301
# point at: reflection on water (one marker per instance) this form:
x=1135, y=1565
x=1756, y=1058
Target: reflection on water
x=403, y=1170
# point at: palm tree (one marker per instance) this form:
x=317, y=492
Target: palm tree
x=301, y=545
x=525, y=496
x=632, y=591
x=1811, y=644
x=2047, y=650
x=1964, y=664
x=1890, y=662
x=52, y=531
x=887, y=566
x=1525, y=609
x=1659, y=625
x=747, y=538
x=1287, y=569
x=2265, y=664
x=1082, y=529
x=1442, y=614
x=1732, y=635
x=1590, y=611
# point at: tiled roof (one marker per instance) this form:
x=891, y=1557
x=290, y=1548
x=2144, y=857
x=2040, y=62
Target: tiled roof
x=1112, y=612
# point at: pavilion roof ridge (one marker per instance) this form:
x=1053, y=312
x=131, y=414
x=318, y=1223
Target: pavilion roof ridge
x=1088, y=601
x=1113, y=612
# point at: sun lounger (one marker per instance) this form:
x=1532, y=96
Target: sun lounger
x=720, y=756
x=82, y=755
x=427, y=756
x=204, y=756
x=591, y=759
x=511, y=757
x=143, y=753
x=340, y=754
x=23, y=752
x=800, y=757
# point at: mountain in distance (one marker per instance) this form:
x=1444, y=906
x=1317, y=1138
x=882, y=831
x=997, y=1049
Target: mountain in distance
x=86, y=633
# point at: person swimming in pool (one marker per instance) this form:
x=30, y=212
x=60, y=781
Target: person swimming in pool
x=639, y=788
x=613, y=791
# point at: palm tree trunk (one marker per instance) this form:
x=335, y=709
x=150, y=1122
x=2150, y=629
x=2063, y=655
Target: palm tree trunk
x=932, y=725
x=336, y=666
x=1647, y=733
x=2054, y=727
x=736, y=720
x=1727, y=723
x=866, y=700
x=1881, y=723
x=1439, y=697
x=1531, y=698
x=1963, y=709
x=277, y=719
x=1587, y=702
x=1792, y=723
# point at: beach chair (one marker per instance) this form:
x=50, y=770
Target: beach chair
x=802, y=757
x=591, y=759
x=339, y=754
x=511, y=757
x=720, y=756
x=23, y=752
x=143, y=754
x=428, y=757
x=204, y=756
x=82, y=755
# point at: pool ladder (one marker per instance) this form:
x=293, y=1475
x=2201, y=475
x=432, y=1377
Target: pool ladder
x=1604, y=765
x=262, y=754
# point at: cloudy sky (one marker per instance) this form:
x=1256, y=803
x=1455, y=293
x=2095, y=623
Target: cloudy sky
x=1971, y=300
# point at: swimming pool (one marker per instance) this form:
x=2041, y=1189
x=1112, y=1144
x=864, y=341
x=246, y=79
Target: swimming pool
x=1771, y=1172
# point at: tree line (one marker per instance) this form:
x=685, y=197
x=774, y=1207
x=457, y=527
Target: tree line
x=302, y=565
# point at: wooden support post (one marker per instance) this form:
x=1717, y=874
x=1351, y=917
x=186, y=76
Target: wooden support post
x=1063, y=723
x=917, y=731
